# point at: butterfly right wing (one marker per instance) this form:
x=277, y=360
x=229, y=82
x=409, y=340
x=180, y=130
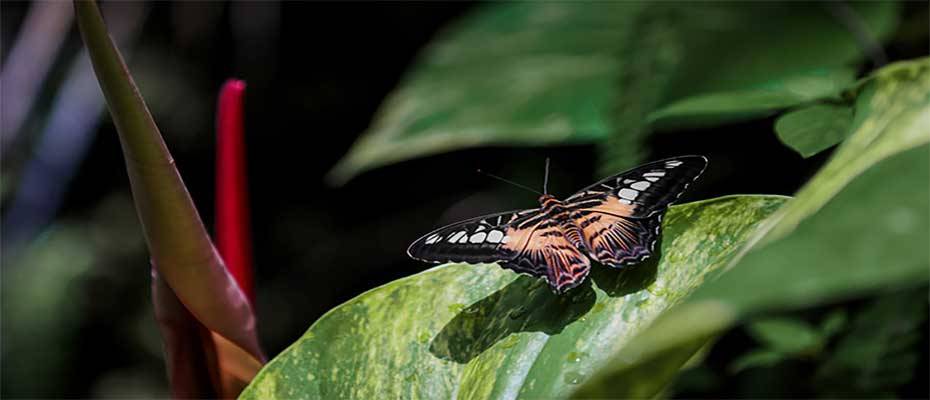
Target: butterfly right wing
x=492, y=238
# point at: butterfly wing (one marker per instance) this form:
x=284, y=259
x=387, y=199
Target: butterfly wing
x=523, y=241
x=549, y=254
x=491, y=238
x=642, y=191
x=620, y=217
x=617, y=241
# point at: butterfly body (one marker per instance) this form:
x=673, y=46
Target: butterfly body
x=615, y=222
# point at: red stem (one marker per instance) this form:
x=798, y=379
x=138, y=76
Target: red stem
x=233, y=237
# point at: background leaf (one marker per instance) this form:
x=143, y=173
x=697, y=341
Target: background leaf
x=880, y=352
x=510, y=73
x=786, y=335
x=813, y=129
x=554, y=73
x=481, y=331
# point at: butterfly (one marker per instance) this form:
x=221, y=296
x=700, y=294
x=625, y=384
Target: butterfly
x=616, y=222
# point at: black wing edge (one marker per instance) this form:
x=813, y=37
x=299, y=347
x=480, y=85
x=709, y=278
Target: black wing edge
x=414, y=249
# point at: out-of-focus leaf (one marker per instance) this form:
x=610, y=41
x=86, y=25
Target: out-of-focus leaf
x=756, y=358
x=833, y=323
x=813, y=129
x=743, y=63
x=48, y=289
x=527, y=73
x=549, y=73
x=880, y=351
x=858, y=226
x=739, y=104
x=180, y=246
x=786, y=335
x=484, y=332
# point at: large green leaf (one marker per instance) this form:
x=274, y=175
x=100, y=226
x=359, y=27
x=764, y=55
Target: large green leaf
x=510, y=73
x=858, y=226
x=742, y=62
x=538, y=73
x=484, y=332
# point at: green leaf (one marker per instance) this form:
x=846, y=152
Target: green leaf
x=881, y=350
x=833, y=323
x=523, y=73
x=755, y=359
x=542, y=73
x=786, y=335
x=813, y=129
x=744, y=64
x=740, y=104
x=178, y=242
x=482, y=331
x=856, y=227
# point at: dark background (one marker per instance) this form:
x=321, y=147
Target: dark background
x=316, y=73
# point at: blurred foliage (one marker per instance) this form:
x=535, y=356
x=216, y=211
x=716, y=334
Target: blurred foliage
x=875, y=355
x=880, y=351
x=485, y=332
x=510, y=73
x=547, y=73
x=54, y=287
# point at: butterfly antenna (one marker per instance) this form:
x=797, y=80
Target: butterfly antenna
x=508, y=181
x=546, y=178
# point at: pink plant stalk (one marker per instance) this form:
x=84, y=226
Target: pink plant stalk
x=233, y=239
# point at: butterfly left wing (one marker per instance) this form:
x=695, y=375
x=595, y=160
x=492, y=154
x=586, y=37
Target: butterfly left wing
x=491, y=238
x=524, y=241
x=620, y=217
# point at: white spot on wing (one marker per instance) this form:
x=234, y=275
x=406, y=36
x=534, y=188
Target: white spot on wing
x=628, y=181
x=455, y=237
x=480, y=228
x=478, y=237
x=672, y=164
x=433, y=239
x=641, y=185
x=628, y=194
x=464, y=239
x=624, y=201
x=655, y=173
x=652, y=178
x=505, y=239
x=495, y=236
